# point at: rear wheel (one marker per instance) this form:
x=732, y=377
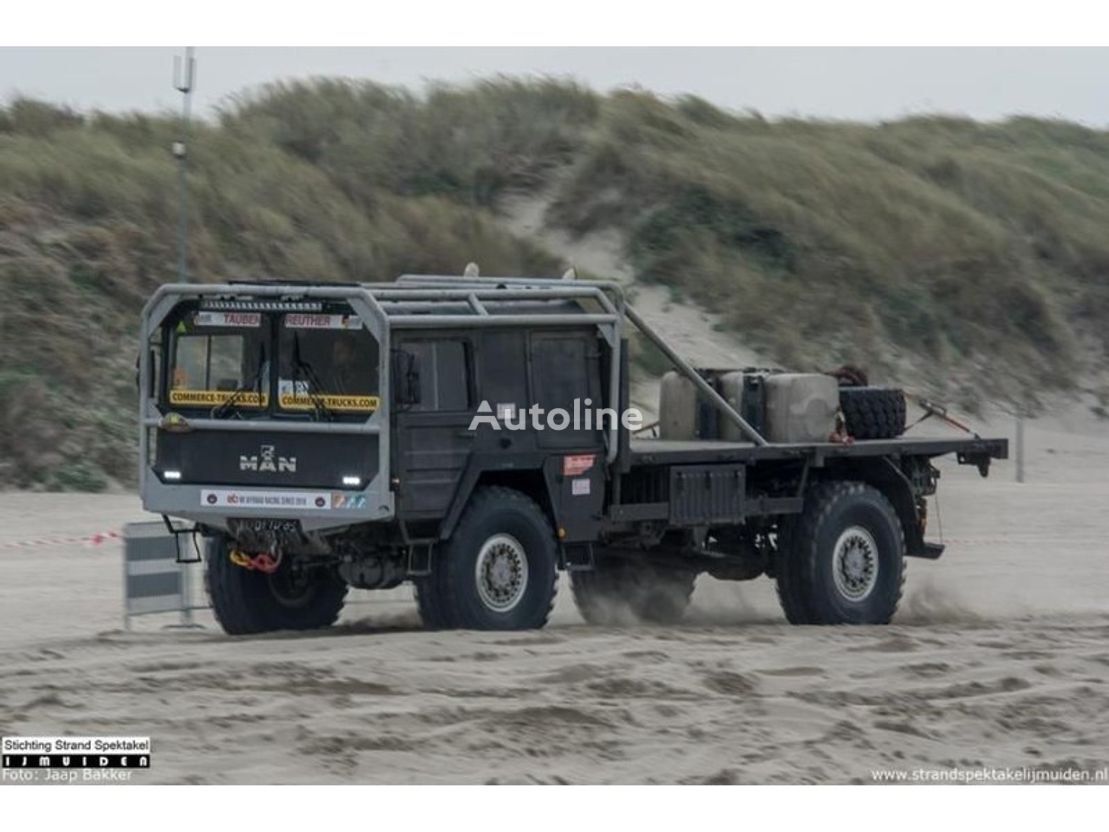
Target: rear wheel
x=247, y=601
x=498, y=571
x=616, y=589
x=841, y=561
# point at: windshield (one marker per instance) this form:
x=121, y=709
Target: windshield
x=217, y=356
x=328, y=362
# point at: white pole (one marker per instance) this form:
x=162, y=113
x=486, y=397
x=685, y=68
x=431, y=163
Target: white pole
x=186, y=591
x=184, y=77
x=1018, y=451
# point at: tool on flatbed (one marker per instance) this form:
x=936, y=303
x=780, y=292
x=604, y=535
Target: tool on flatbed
x=939, y=411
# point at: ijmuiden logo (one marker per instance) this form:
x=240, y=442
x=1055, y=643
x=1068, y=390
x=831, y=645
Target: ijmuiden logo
x=72, y=759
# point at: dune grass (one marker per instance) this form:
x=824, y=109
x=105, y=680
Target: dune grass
x=970, y=258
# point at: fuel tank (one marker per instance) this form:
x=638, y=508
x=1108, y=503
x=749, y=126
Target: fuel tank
x=800, y=407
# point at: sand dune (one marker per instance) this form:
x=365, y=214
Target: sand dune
x=998, y=658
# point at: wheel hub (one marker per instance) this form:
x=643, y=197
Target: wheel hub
x=855, y=563
x=501, y=572
x=292, y=588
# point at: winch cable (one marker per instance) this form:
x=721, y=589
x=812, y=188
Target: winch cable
x=240, y=559
x=263, y=562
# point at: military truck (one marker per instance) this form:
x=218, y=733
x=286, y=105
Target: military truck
x=321, y=436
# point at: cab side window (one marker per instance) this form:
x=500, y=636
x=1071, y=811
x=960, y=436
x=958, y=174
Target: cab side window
x=444, y=375
x=564, y=369
x=560, y=371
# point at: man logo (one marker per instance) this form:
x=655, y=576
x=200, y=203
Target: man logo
x=268, y=461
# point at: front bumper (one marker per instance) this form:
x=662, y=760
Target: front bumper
x=315, y=509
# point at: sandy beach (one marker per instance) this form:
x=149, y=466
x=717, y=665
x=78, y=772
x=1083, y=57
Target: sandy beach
x=999, y=658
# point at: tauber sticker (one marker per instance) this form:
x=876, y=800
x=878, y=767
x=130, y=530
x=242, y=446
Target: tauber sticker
x=300, y=320
x=332, y=401
x=205, y=397
x=240, y=319
x=307, y=500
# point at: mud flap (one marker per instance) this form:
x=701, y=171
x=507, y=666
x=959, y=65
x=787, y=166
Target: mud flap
x=928, y=551
x=576, y=557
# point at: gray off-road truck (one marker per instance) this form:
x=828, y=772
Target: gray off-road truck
x=322, y=436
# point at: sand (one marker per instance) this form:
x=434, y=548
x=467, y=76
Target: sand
x=999, y=658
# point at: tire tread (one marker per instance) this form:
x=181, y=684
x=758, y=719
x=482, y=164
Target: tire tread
x=873, y=412
x=439, y=595
x=242, y=605
x=798, y=551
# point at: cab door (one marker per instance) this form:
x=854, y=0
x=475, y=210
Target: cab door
x=432, y=442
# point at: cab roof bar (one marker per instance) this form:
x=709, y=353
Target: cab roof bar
x=396, y=302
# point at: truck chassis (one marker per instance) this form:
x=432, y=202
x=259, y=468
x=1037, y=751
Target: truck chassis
x=301, y=494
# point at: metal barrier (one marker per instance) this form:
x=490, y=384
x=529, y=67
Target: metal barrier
x=156, y=578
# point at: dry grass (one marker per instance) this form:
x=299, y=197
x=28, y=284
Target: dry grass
x=970, y=256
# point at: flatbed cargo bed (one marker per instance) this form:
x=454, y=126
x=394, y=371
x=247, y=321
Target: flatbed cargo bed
x=647, y=451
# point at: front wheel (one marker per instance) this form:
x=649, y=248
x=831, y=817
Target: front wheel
x=246, y=601
x=498, y=571
x=841, y=561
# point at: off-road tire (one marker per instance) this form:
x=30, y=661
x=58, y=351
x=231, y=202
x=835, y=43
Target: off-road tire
x=245, y=602
x=807, y=586
x=429, y=602
x=450, y=596
x=873, y=412
x=651, y=593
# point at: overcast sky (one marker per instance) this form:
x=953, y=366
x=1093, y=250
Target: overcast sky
x=863, y=84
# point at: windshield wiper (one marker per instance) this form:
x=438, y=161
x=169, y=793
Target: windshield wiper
x=299, y=364
x=254, y=384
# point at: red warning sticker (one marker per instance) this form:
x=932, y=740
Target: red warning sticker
x=577, y=464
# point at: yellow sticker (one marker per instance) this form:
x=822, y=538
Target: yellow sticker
x=206, y=397
x=332, y=401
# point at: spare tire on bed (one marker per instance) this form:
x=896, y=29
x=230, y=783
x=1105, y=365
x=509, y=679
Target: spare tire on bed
x=873, y=412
